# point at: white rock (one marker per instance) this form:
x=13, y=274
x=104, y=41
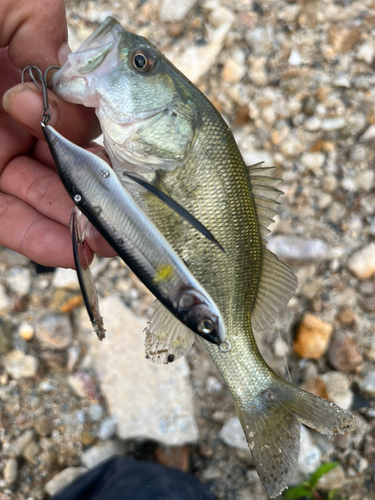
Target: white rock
x=233, y=435
x=295, y=58
x=101, y=452
x=362, y=263
x=349, y=184
x=313, y=161
x=338, y=389
x=260, y=40
x=367, y=384
x=280, y=348
x=147, y=400
x=11, y=258
x=233, y=71
x=63, y=479
x=213, y=385
x=4, y=299
x=19, y=280
x=298, y=249
x=332, y=124
x=365, y=180
x=291, y=147
x=20, y=365
x=310, y=455
x=312, y=124
x=26, y=331
x=173, y=12
x=65, y=278
x=324, y=201
x=23, y=441
x=10, y=471
x=368, y=135
x=107, y=428
x=196, y=60
x=342, y=81
x=366, y=52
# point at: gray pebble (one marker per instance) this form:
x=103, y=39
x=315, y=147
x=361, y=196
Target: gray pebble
x=54, y=331
x=95, y=412
x=63, y=479
x=23, y=441
x=19, y=280
x=107, y=428
x=298, y=249
x=233, y=435
x=10, y=471
x=20, y=365
x=97, y=454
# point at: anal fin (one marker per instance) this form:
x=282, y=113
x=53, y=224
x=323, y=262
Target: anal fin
x=167, y=339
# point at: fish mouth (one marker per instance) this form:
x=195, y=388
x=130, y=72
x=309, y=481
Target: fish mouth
x=72, y=81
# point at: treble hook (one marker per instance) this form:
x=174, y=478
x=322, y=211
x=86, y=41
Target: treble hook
x=46, y=114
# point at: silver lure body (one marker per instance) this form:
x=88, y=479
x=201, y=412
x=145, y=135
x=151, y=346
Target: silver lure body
x=99, y=194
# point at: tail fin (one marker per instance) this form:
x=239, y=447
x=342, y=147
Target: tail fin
x=272, y=425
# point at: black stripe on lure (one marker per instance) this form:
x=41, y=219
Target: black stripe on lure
x=100, y=196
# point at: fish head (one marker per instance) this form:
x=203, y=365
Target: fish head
x=201, y=315
x=119, y=71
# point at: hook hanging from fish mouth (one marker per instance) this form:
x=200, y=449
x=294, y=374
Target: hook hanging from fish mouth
x=46, y=114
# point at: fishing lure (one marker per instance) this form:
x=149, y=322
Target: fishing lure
x=101, y=197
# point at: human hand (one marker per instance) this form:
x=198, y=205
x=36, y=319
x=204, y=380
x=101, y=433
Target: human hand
x=34, y=207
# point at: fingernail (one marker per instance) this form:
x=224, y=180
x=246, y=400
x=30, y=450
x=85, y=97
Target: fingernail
x=63, y=53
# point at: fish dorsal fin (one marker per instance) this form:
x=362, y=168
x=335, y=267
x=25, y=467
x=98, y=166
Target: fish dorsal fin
x=167, y=339
x=265, y=194
x=277, y=281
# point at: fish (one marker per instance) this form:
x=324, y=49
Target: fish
x=102, y=198
x=158, y=124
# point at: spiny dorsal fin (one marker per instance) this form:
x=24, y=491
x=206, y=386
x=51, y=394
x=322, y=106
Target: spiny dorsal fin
x=167, y=339
x=277, y=281
x=265, y=194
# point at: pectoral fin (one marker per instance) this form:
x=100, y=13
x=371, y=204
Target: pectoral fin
x=85, y=278
x=167, y=339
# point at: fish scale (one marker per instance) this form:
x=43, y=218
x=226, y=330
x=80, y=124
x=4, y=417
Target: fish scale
x=175, y=138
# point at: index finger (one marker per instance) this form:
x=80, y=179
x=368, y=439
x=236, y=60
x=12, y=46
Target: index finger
x=24, y=104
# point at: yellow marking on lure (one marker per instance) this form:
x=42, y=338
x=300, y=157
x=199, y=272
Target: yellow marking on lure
x=163, y=273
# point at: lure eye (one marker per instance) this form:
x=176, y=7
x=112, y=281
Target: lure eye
x=143, y=60
x=205, y=326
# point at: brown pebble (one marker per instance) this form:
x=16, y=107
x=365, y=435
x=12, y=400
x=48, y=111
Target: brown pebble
x=343, y=354
x=343, y=37
x=242, y=115
x=316, y=386
x=346, y=316
x=176, y=456
x=367, y=303
x=175, y=29
x=72, y=304
x=312, y=338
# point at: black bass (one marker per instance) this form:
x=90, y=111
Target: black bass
x=157, y=123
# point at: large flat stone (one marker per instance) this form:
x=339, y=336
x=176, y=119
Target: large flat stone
x=148, y=401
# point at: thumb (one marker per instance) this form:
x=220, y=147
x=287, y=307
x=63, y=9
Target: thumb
x=35, y=31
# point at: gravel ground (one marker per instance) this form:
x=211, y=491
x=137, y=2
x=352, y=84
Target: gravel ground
x=295, y=81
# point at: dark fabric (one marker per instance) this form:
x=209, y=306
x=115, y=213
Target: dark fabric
x=123, y=478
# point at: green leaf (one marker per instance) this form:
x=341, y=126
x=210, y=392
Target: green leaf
x=301, y=491
x=323, y=469
x=332, y=493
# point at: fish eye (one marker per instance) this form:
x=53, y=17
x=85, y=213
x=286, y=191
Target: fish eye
x=143, y=60
x=206, y=326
